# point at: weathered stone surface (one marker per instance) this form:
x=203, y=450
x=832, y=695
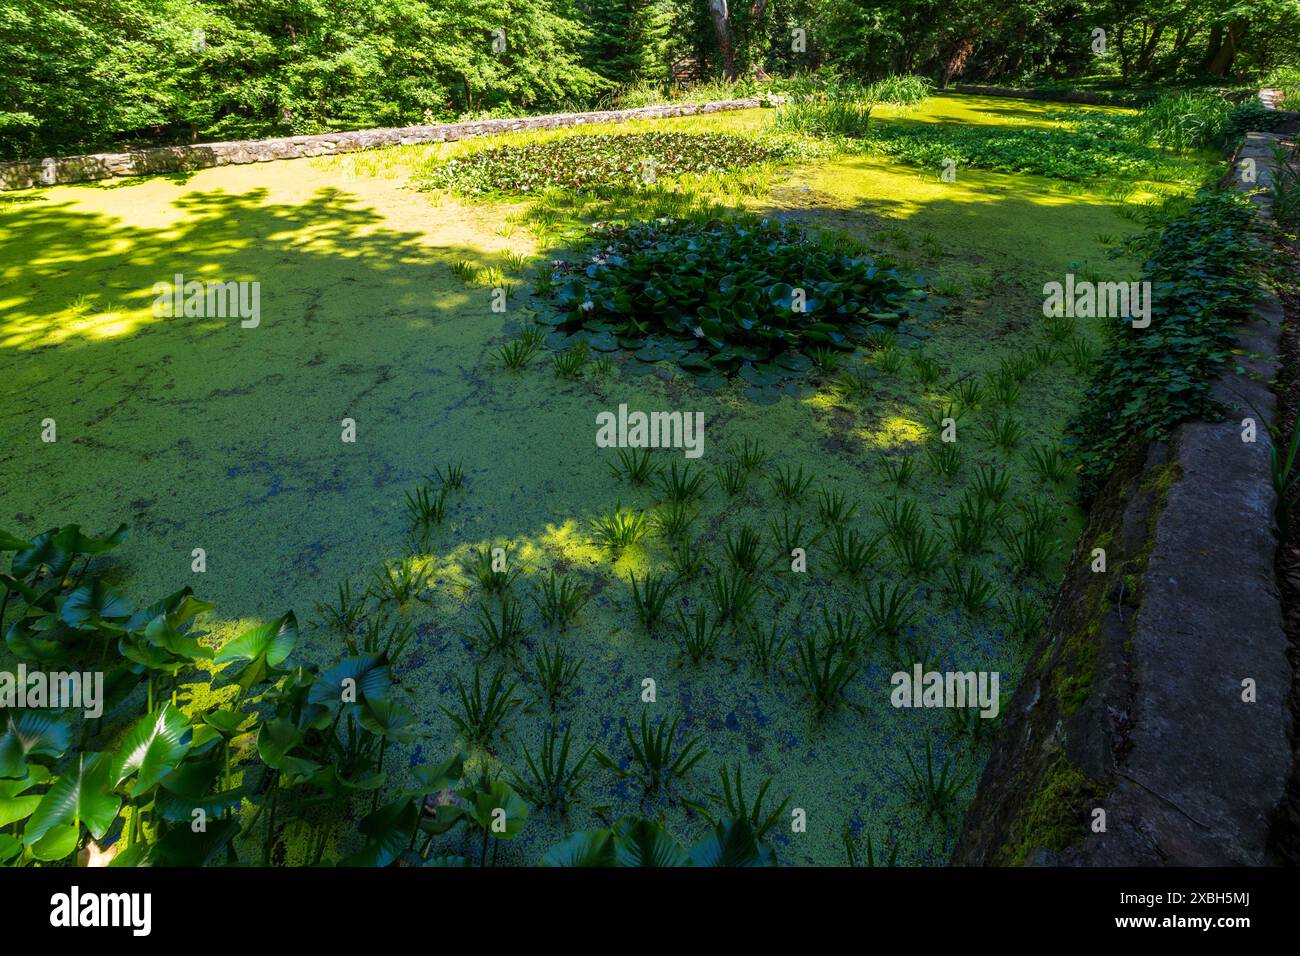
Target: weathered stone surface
x=28, y=174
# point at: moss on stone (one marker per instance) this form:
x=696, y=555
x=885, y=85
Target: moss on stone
x=1055, y=819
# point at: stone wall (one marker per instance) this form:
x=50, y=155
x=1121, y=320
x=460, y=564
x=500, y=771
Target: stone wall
x=171, y=159
x=1133, y=701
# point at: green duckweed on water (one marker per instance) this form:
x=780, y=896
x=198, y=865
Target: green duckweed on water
x=377, y=306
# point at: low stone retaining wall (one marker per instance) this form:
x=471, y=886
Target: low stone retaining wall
x=1157, y=703
x=171, y=159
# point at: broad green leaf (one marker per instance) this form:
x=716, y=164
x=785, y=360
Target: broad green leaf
x=262, y=649
x=82, y=792
x=152, y=749
x=31, y=733
x=588, y=848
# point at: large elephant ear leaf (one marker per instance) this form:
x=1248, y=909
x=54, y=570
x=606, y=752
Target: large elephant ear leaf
x=31, y=733
x=181, y=846
x=497, y=805
x=388, y=718
x=353, y=680
x=10, y=542
x=275, y=739
x=388, y=832
x=732, y=843
x=589, y=848
x=83, y=792
x=15, y=802
x=180, y=607
x=152, y=749
x=646, y=843
x=434, y=778
x=70, y=539
x=261, y=650
x=43, y=551
x=92, y=603
x=162, y=632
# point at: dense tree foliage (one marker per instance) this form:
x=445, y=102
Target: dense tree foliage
x=89, y=73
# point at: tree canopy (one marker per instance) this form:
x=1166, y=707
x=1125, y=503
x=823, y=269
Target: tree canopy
x=83, y=74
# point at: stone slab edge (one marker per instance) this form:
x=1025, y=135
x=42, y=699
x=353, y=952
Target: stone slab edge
x=30, y=174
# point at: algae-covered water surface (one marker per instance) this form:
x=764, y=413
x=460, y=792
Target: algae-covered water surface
x=365, y=428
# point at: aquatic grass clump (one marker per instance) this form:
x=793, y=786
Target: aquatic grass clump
x=697, y=636
x=634, y=465
x=556, y=674
x=851, y=553
x=503, y=632
x=491, y=569
x=618, y=530
x=731, y=478
x=733, y=593
x=833, y=508
x=789, y=485
x=346, y=613
x=561, y=601
x=889, y=610
x=553, y=780
x=825, y=107
x=764, y=648
x=736, y=807
x=398, y=581
x=1024, y=616
x=937, y=791
x=427, y=507
x=745, y=551
x=682, y=486
x=484, y=716
x=970, y=527
x=654, y=759
x=649, y=596
x=973, y=591
x=824, y=671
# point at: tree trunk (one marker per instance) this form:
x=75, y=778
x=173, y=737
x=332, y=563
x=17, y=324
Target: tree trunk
x=721, y=17
x=1149, y=50
x=1221, y=59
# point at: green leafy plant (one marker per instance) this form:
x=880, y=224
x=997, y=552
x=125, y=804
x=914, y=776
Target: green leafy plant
x=824, y=671
x=764, y=648
x=484, y=716
x=634, y=465
x=504, y=632
x=649, y=597
x=561, y=601
x=745, y=551
x=680, y=487
x=889, y=610
x=556, y=674
x=937, y=792
x=655, y=761
x=427, y=507
x=553, y=781
x=618, y=530
x=697, y=637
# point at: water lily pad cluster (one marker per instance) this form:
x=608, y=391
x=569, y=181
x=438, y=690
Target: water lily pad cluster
x=725, y=298
x=593, y=163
